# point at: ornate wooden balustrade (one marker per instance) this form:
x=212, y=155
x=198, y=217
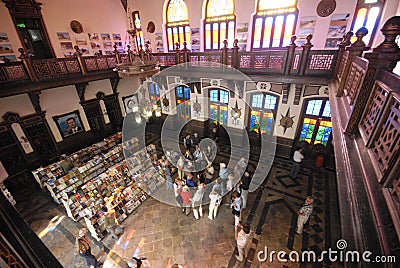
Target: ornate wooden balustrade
x=366, y=120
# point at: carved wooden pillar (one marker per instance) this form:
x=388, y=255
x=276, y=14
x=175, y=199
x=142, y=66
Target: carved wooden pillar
x=290, y=55
x=383, y=57
x=177, y=53
x=131, y=57
x=185, y=51
x=305, y=54
x=80, y=89
x=35, y=100
x=26, y=61
x=235, y=55
x=342, y=46
x=225, y=53
x=117, y=56
x=95, y=118
x=297, y=94
x=80, y=59
x=285, y=93
x=356, y=49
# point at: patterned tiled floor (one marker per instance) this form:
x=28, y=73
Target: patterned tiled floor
x=164, y=235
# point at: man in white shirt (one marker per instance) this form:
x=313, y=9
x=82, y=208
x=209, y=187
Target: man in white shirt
x=242, y=238
x=297, y=158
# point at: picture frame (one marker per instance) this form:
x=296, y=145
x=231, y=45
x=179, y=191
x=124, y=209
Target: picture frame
x=63, y=36
x=130, y=101
x=69, y=124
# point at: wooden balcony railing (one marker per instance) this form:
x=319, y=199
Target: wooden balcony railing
x=294, y=61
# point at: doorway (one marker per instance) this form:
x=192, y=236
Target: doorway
x=34, y=38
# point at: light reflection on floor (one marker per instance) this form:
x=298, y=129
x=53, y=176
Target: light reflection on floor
x=51, y=226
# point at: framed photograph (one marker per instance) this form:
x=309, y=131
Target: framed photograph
x=308, y=22
x=84, y=49
x=105, y=36
x=107, y=45
x=63, y=36
x=66, y=45
x=97, y=52
x=95, y=45
x=69, y=124
x=119, y=44
x=93, y=36
x=8, y=58
x=109, y=52
x=81, y=41
x=116, y=36
x=69, y=53
x=6, y=49
x=4, y=38
x=130, y=102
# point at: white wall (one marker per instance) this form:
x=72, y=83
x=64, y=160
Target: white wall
x=19, y=104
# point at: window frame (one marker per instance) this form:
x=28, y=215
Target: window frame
x=219, y=104
x=227, y=18
x=262, y=110
x=361, y=4
x=318, y=118
x=185, y=102
x=263, y=14
x=177, y=24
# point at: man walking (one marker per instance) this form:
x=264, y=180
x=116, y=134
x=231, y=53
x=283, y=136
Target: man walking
x=297, y=158
x=304, y=214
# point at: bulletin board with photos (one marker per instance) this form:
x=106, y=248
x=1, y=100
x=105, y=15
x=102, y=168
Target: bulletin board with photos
x=6, y=49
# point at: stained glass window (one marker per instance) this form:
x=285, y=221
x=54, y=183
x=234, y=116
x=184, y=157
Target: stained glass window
x=274, y=23
x=177, y=24
x=262, y=113
x=154, y=94
x=137, y=25
x=367, y=14
x=317, y=125
x=219, y=24
x=219, y=99
x=183, y=101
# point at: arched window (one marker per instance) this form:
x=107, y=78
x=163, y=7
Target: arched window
x=367, y=14
x=137, y=25
x=219, y=99
x=177, y=24
x=183, y=101
x=219, y=23
x=274, y=23
x=262, y=112
x=317, y=125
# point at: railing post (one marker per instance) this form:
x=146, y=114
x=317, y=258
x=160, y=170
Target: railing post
x=81, y=61
x=26, y=61
x=117, y=57
x=130, y=54
x=290, y=55
x=342, y=46
x=305, y=54
x=185, y=51
x=383, y=57
x=177, y=53
x=356, y=49
x=235, y=55
x=225, y=53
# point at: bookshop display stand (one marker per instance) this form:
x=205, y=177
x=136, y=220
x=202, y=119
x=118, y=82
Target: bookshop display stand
x=103, y=178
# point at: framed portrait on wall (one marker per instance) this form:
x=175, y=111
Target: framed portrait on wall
x=69, y=124
x=130, y=103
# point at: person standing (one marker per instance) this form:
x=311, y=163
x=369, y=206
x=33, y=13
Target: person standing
x=180, y=164
x=236, y=206
x=297, y=158
x=215, y=200
x=223, y=175
x=186, y=199
x=82, y=247
x=198, y=158
x=188, y=142
x=195, y=139
x=242, y=238
x=244, y=187
x=197, y=201
x=168, y=175
x=304, y=214
x=111, y=221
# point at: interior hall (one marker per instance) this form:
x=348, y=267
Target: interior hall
x=187, y=133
